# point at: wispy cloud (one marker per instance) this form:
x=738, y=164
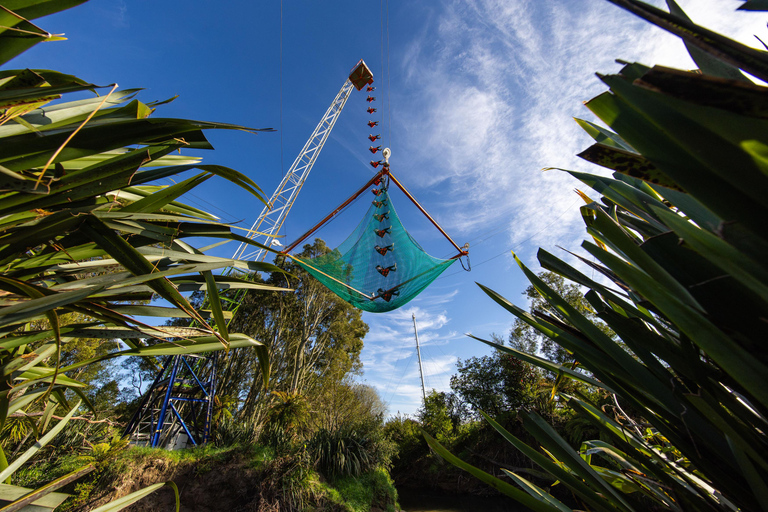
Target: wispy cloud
x=489, y=89
x=492, y=87
x=119, y=14
x=390, y=360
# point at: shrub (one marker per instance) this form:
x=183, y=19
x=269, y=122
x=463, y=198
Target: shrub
x=350, y=451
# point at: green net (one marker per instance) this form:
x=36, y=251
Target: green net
x=379, y=267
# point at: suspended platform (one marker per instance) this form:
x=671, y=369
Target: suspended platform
x=379, y=267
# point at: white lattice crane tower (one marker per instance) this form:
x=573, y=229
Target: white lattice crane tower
x=270, y=220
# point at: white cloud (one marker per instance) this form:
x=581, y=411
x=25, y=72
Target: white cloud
x=119, y=14
x=390, y=360
x=489, y=91
x=492, y=87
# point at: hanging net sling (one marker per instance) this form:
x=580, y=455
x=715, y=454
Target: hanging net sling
x=379, y=267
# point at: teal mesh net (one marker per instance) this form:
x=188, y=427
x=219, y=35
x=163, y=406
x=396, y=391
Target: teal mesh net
x=379, y=267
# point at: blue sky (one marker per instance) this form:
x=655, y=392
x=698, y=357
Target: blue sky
x=473, y=97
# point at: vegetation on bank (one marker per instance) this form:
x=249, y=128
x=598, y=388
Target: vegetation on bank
x=500, y=383
x=249, y=477
x=317, y=441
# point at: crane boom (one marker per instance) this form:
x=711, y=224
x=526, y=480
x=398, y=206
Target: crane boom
x=270, y=220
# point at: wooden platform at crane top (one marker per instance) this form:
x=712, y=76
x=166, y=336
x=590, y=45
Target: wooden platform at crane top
x=361, y=75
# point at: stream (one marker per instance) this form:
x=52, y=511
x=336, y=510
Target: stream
x=413, y=500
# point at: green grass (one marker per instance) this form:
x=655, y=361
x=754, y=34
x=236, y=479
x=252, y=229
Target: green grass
x=374, y=488
x=205, y=452
x=43, y=470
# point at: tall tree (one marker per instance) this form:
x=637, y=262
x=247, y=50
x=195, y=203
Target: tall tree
x=495, y=384
x=311, y=334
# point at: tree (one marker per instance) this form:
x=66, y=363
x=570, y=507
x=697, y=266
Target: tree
x=495, y=384
x=434, y=414
x=339, y=403
x=313, y=337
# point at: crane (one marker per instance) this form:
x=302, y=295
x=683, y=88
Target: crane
x=176, y=410
x=270, y=220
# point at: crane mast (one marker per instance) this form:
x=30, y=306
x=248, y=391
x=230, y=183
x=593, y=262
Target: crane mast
x=418, y=353
x=270, y=220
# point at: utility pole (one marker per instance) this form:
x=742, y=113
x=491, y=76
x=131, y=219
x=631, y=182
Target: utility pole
x=418, y=353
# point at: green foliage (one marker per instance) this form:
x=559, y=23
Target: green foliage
x=286, y=481
x=87, y=238
x=434, y=415
x=526, y=338
x=347, y=430
x=374, y=488
x=42, y=470
x=314, y=341
x=287, y=420
x=498, y=383
x=679, y=235
x=403, y=430
x=406, y=434
x=351, y=451
x=339, y=403
x=231, y=432
x=341, y=452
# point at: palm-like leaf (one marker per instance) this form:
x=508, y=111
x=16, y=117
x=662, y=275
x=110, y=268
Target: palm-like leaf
x=85, y=228
x=680, y=237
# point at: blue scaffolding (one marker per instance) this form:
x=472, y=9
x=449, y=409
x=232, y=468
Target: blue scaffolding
x=177, y=409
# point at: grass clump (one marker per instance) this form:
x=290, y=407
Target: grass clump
x=372, y=489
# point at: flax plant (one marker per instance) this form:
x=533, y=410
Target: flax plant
x=678, y=235
x=86, y=229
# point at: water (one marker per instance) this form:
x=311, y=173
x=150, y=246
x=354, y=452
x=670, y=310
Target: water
x=413, y=500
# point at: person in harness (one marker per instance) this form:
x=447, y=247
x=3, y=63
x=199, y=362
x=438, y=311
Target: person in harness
x=386, y=270
x=387, y=294
x=381, y=216
x=382, y=232
x=383, y=250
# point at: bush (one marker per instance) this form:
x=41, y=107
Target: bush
x=435, y=416
x=231, y=432
x=350, y=451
